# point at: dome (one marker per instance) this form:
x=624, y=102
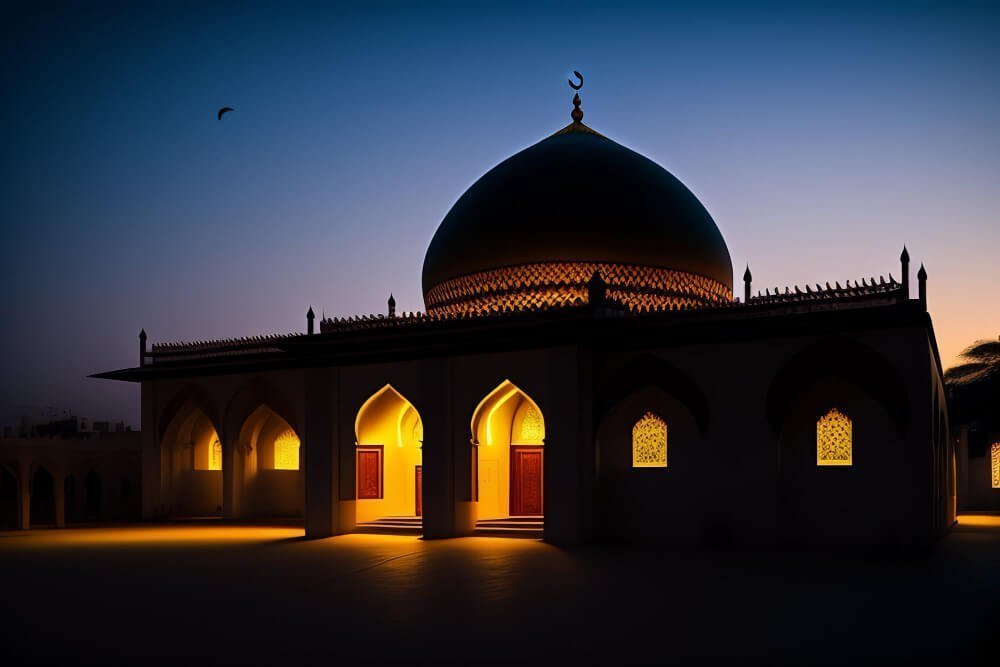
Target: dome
x=533, y=230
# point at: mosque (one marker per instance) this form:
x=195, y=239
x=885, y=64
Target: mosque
x=583, y=373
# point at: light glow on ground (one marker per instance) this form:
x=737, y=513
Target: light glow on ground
x=981, y=520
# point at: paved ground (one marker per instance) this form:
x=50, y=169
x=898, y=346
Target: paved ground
x=262, y=595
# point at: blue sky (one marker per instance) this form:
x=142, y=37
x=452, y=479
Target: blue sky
x=820, y=136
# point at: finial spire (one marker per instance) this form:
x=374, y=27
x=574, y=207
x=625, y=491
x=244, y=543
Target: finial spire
x=310, y=316
x=746, y=284
x=392, y=305
x=577, y=114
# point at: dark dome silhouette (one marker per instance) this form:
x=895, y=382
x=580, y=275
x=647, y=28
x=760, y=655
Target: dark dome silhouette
x=575, y=197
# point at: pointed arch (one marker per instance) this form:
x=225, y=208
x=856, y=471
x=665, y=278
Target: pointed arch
x=188, y=397
x=508, y=437
x=652, y=371
x=838, y=358
x=388, y=435
x=257, y=392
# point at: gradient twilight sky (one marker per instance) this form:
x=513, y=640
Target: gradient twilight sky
x=821, y=137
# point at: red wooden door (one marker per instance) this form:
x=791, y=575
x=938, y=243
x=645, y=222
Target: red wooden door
x=526, y=473
x=419, y=486
x=369, y=466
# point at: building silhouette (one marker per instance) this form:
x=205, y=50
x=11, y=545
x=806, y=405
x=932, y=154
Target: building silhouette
x=583, y=372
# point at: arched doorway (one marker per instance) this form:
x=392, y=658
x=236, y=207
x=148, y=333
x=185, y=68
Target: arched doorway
x=192, y=465
x=389, y=464
x=8, y=499
x=269, y=466
x=43, y=498
x=508, y=434
x=92, y=496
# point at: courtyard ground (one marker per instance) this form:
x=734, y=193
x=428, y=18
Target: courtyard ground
x=203, y=593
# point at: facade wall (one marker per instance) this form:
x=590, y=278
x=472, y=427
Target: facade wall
x=975, y=445
x=54, y=482
x=741, y=439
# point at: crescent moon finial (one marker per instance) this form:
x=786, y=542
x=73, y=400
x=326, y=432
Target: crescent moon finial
x=576, y=86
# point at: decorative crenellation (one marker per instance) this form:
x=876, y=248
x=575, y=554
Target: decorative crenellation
x=560, y=284
x=863, y=287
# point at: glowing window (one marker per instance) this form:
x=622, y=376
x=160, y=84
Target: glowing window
x=532, y=426
x=649, y=442
x=833, y=439
x=995, y=464
x=215, y=456
x=286, y=451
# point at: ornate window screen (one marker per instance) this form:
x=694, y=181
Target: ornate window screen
x=995, y=464
x=215, y=455
x=649, y=442
x=286, y=451
x=834, y=445
x=532, y=426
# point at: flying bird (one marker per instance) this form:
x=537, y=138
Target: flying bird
x=224, y=110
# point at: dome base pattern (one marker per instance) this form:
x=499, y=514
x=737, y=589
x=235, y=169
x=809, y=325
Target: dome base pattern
x=554, y=284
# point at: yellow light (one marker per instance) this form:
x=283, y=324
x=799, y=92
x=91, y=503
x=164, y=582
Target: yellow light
x=489, y=415
x=995, y=464
x=649, y=442
x=286, y=451
x=981, y=520
x=834, y=439
x=215, y=455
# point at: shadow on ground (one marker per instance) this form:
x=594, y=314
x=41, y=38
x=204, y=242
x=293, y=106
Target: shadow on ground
x=262, y=595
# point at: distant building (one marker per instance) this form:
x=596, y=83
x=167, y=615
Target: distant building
x=68, y=470
x=974, y=401
x=583, y=372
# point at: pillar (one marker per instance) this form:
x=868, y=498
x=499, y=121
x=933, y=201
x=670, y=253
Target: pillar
x=445, y=487
x=152, y=458
x=232, y=475
x=24, y=487
x=59, y=479
x=569, y=446
x=320, y=453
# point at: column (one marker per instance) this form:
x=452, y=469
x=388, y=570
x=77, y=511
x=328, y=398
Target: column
x=59, y=478
x=232, y=475
x=152, y=493
x=24, y=486
x=441, y=482
x=320, y=453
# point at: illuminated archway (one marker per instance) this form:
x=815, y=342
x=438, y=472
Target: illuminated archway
x=389, y=463
x=508, y=434
x=191, y=463
x=268, y=460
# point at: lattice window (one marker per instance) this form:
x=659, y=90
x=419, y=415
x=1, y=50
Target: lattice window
x=834, y=445
x=995, y=464
x=532, y=426
x=649, y=442
x=215, y=455
x=286, y=451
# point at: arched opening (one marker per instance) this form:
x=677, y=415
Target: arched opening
x=8, y=499
x=389, y=461
x=92, y=496
x=508, y=434
x=269, y=471
x=838, y=467
x=651, y=466
x=191, y=466
x=43, y=498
